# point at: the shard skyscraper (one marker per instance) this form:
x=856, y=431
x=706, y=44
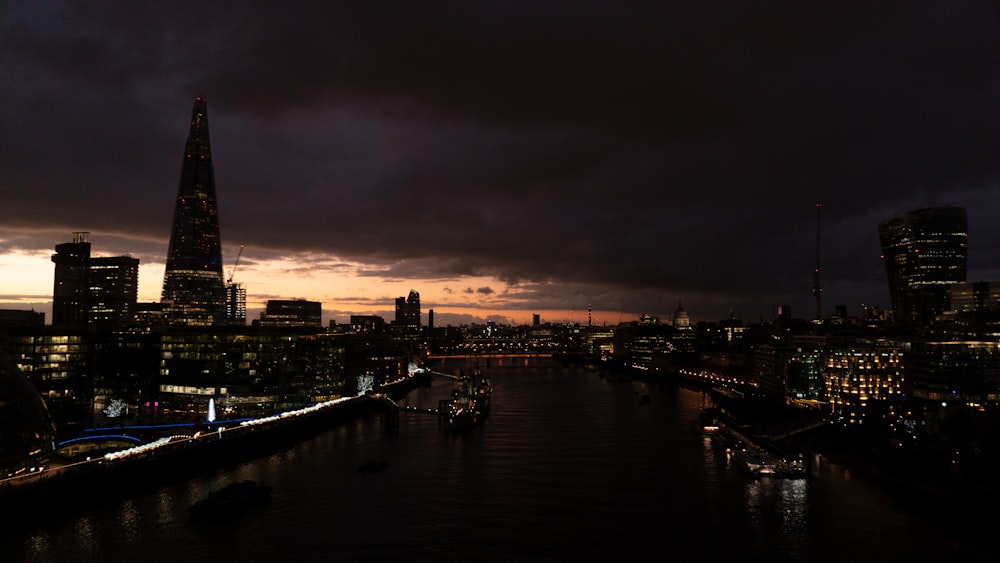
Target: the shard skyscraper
x=193, y=287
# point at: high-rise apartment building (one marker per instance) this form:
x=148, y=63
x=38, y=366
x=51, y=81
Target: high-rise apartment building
x=406, y=329
x=69, y=292
x=925, y=253
x=408, y=309
x=193, y=284
x=91, y=291
x=236, y=304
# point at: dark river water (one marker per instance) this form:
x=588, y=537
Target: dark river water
x=568, y=466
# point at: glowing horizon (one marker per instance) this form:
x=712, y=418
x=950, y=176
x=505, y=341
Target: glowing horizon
x=28, y=281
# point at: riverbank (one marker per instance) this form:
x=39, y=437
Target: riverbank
x=946, y=498
x=935, y=494
x=69, y=487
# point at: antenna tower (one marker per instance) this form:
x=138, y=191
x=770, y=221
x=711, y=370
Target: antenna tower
x=817, y=289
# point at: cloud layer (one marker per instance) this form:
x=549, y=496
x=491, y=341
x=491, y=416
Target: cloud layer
x=624, y=155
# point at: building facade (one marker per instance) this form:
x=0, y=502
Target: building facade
x=862, y=374
x=971, y=297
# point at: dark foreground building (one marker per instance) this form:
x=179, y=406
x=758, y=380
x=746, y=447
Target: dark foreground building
x=27, y=437
x=292, y=313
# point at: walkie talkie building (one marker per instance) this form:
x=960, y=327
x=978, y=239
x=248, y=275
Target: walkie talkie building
x=925, y=253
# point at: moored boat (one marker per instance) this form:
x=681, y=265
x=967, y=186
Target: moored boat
x=231, y=500
x=470, y=402
x=374, y=467
x=707, y=421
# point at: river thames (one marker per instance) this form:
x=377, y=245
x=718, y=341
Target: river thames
x=568, y=466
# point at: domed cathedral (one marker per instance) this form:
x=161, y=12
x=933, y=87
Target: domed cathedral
x=681, y=319
x=27, y=437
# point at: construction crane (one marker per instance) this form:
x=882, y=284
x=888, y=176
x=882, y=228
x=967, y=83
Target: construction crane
x=235, y=264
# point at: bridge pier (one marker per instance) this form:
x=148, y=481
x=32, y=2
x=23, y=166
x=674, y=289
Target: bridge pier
x=391, y=415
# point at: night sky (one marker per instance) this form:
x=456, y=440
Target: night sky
x=505, y=158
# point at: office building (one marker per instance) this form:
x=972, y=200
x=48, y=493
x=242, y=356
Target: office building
x=114, y=285
x=296, y=312
x=860, y=375
x=193, y=284
x=925, y=253
x=92, y=291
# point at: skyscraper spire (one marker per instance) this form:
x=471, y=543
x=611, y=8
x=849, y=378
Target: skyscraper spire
x=193, y=282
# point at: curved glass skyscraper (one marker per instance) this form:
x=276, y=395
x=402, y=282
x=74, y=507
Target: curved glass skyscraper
x=925, y=253
x=193, y=285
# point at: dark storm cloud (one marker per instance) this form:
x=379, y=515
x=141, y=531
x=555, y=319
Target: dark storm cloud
x=624, y=155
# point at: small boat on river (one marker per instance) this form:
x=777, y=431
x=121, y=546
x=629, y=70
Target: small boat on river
x=231, y=500
x=374, y=467
x=470, y=402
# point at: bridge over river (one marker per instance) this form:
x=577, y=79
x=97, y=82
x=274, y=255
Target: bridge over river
x=494, y=355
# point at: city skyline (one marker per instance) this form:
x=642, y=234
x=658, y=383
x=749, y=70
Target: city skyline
x=526, y=160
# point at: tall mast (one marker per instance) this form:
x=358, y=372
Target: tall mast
x=817, y=289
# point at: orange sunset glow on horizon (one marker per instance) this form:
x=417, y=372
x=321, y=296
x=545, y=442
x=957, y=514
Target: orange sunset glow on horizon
x=28, y=279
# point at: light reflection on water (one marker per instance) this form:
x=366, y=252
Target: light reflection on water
x=129, y=521
x=569, y=465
